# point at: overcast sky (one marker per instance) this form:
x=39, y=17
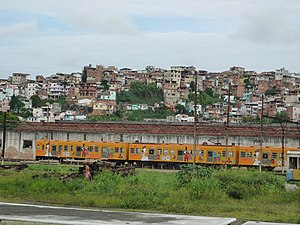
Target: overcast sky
x=49, y=36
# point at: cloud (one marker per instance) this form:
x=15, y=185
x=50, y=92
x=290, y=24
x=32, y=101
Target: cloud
x=209, y=34
x=269, y=24
x=17, y=29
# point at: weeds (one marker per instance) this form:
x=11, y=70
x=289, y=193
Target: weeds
x=206, y=191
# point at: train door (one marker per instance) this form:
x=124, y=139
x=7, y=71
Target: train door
x=180, y=155
x=66, y=152
x=266, y=161
x=78, y=151
x=53, y=149
x=210, y=156
x=152, y=154
x=105, y=152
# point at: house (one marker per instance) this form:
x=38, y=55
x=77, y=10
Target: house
x=104, y=108
x=184, y=118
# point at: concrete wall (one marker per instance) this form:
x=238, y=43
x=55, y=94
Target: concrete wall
x=15, y=141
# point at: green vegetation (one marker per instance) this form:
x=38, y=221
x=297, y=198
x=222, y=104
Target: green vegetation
x=281, y=117
x=273, y=91
x=141, y=93
x=11, y=120
x=205, y=98
x=245, y=195
x=135, y=115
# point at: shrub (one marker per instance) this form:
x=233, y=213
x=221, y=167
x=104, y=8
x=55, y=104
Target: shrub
x=190, y=172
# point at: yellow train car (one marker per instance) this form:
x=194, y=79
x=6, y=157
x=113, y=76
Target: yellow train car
x=216, y=155
x=248, y=156
x=180, y=153
x=162, y=153
x=41, y=149
x=293, y=165
x=271, y=156
x=168, y=153
x=113, y=150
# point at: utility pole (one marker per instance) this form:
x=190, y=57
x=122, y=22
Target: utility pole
x=226, y=127
x=282, y=145
x=3, y=138
x=261, y=132
x=195, y=116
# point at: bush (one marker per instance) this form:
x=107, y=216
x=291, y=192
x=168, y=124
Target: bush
x=190, y=172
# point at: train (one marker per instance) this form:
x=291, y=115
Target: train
x=165, y=154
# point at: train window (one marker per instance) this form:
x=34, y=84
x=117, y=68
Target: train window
x=91, y=148
x=53, y=147
x=230, y=154
x=116, y=149
x=249, y=154
x=210, y=153
x=201, y=153
x=71, y=148
x=223, y=153
x=131, y=150
x=243, y=154
x=274, y=155
x=137, y=150
x=293, y=163
x=96, y=149
x=122, y=150
x=171, y=151
x=159, y=151
x=265, y=155
x=43, y=147
x=66, y=148
x=151, y=151
x=38, y=147
x=180, y=152
x=166, y=152
x=60, y=147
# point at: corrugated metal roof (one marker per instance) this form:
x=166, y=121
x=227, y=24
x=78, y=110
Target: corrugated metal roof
x=290, y=131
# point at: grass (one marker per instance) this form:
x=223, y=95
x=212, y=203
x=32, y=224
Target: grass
x=245, y=195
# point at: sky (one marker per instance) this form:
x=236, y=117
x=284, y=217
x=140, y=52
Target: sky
x=51, y=36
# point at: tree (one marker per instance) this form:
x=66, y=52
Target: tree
x=141, y=93
x=281, y=117
x=203, y=98
x=181, y=109
x=192, y=86
x=273, y=91
x=36, y=101
x=210, y=92
x=63, y=102
x=16, y=104
x=13, y=120
x=105, y=84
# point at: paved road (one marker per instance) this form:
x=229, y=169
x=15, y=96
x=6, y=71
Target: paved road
x=34, y=214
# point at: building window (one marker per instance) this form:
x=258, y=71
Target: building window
x=27, y=144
